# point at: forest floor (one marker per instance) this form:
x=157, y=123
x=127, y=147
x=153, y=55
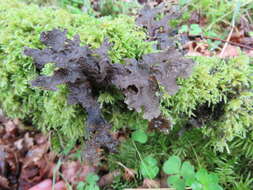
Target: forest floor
x=24, y=151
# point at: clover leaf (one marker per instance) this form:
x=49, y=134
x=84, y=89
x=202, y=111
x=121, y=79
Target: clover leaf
x=148, y=167
x=172, y=165
x=209, y=181
x=92, y=178
x=140, y=136
x=187, y=171
x=195, y=30
x=90, y=183
x=202, y=176
x=183, y=29
x=196, y=186
x=182, y=174
x=177, y=182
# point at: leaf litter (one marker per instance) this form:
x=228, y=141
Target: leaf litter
x=239, y=41
x=26, y=159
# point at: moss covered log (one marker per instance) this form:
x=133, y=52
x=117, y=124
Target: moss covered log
x=217, y=98
x=21, y=26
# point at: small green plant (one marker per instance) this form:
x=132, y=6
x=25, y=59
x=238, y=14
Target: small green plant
x=193, y=30
x=183, y=175
x=140, y=136
x=116, y=7
x=105, y=7
x=149, y=168
x=77, y=6
x=90, y=183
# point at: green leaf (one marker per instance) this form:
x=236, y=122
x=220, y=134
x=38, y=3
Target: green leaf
x=195, y=30
x=187, y=171
x=140, y=136
x=211, y=34
x=202, y=176
x=176, y=182
x=80, y=185
x=183, y=2
x=184, y=28
x=91, y=187
x=172, y=165
x=213, y=187
x=196, y=186
x=213, y=178
x=148, y=167
x=92, y=178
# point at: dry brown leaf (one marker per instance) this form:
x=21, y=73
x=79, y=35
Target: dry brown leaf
x=4, y=183
x=74, y=171
x=108, y=178
x=249, y=53
x=28, y=141
x=151, y=183
x=237, y=36
x=10, y=127
x=197, y=48
x=129, y=174
x=230, y=51
x=40, y=139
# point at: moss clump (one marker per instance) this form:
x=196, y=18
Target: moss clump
x=217, y=97
x=20, y=26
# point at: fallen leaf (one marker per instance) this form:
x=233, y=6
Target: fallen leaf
x=197, y=48
x=74, y=171
x=108, y=178
x=230, y=51
x=4, y=183
x=10, y=127
x=129, y=174
x=249, y=53
x=150, y=183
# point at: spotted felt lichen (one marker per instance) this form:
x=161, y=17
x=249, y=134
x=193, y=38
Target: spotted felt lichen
x=87, y=71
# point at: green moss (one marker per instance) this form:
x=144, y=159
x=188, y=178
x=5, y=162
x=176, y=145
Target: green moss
x=20, y=26
x=219, y=95
x=219, y=86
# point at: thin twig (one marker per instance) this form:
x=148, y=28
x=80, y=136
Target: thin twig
x=122, y=165
x=236, y=12
x=226, y=44
x=225, y=41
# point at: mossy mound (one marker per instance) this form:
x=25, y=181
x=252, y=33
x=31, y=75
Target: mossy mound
x=217, y=97
x=20, y=26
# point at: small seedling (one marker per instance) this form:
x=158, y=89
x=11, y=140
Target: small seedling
x=193, y=30
x=182, y=175
x=184, y=28
x=90, y=183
